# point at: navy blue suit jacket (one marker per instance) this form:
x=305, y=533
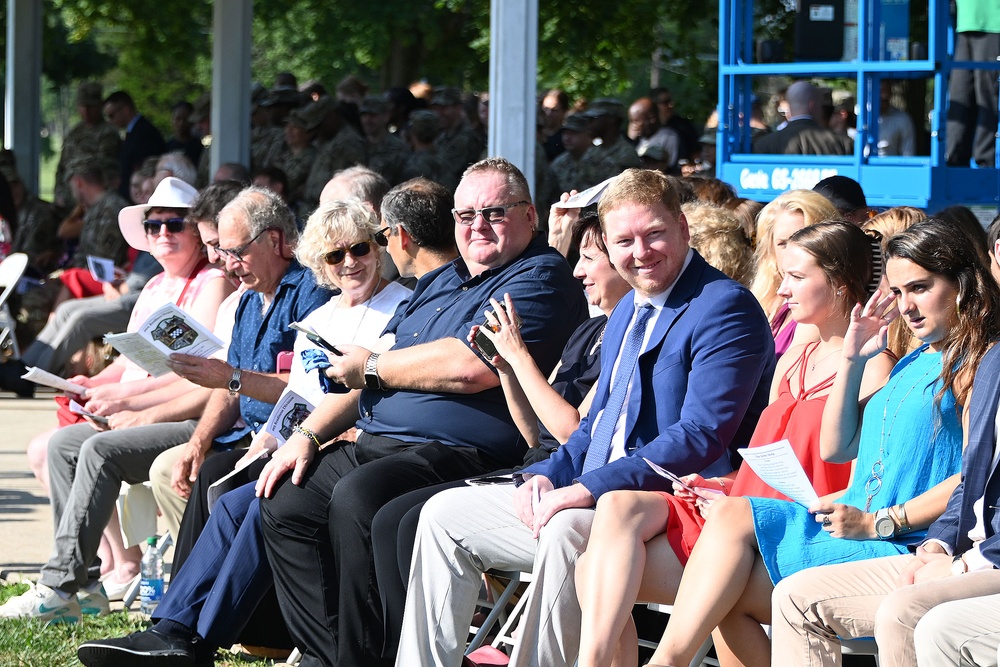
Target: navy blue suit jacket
x=978, y=481
x=701, y=384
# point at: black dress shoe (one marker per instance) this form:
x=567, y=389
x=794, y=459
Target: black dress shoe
x=148, y=647
x=11, y=380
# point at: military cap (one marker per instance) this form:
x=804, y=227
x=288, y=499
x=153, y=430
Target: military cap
x=605, y=106
x=576, y=123
x=92, y=164
x=298, y=117
x=317, y=112
x=258, y=94
x=282, y=96
x=446, y=96
x=424, y=122
x=89, y=94
x=374, y=105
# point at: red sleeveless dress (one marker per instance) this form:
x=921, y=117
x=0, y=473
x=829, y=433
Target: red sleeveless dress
x=795, y=418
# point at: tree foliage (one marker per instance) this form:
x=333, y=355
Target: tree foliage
x=599, y=47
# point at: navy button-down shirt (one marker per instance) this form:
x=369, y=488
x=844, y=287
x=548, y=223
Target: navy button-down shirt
x=259, y=336
x=445, y=304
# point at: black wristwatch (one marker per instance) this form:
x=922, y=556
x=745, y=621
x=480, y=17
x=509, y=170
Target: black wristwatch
x=234, y=382
x=372, y=380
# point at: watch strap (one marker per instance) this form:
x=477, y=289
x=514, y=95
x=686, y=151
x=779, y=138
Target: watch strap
x=372, y=379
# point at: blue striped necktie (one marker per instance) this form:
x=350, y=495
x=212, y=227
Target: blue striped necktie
x=600, y=442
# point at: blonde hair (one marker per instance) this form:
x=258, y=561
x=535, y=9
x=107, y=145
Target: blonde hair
x=814, y=208
x=335, y=221
x=888, y=224
x=718, y=236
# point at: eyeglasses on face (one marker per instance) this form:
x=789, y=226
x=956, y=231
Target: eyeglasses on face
x=382, y=236
x=491, y=214
x=173, y=225
x=237, y=253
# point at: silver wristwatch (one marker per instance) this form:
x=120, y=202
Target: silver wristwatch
x=234, y=382
x=885, y=527
x=372, y=380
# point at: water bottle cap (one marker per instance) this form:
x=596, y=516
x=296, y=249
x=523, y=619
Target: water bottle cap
x=151, y=540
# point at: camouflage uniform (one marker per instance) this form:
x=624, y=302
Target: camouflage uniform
x=388, y=157
x=296, y=168
x=429, y=165
x=346, y=149
x=100, y=235
x=100, y=140
x=458, y=149
x=37, y=222
x=619, y=156
x=574, y=174
x=266, y=144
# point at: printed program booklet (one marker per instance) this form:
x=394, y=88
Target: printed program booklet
x=167, y=331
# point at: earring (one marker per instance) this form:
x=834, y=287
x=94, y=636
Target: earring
x=958, y=306
x=840, y=292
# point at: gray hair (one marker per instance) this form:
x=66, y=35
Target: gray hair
x=179, y=166
x=261, y=209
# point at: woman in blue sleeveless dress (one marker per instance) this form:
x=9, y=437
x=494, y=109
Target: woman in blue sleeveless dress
x=908, y=449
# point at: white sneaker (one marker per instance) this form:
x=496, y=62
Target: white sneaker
x=116, y=591
x=94, y=603
x=43, y=603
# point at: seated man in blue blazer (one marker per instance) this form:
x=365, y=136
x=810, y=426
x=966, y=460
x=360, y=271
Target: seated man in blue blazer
x=687, y=363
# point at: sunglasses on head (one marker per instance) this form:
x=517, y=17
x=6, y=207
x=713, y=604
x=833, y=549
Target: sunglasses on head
x=173, y=225
x=360, y=249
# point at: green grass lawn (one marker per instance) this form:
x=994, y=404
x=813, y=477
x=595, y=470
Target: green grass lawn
x=32, y=644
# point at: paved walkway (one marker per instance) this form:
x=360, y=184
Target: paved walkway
x=25, y=517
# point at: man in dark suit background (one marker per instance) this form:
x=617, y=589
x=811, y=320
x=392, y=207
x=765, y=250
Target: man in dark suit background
x=802, y=135
x=142, y=139
x=685, y=374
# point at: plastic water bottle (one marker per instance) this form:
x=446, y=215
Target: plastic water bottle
x=151, y=583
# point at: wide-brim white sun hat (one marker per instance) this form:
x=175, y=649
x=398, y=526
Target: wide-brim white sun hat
x=170, y=193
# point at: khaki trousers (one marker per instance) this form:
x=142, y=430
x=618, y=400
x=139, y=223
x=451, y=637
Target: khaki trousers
x=813, y=608
x=963, y=633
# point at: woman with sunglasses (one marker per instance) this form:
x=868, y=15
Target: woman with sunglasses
x=88, y=461
x=827, y=268
x=343, y=246
x=908, y=447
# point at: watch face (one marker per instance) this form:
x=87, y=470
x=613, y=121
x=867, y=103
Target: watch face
x=884, y=527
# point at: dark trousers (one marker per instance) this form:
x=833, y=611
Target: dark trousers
x=227, y=573
x=318, y=540
x=261, y=624
x=972, y=110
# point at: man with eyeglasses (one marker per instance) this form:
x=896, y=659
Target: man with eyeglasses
x=256, y=234
x=428, y=410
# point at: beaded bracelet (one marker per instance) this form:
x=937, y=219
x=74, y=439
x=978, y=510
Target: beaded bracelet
x=302, y=430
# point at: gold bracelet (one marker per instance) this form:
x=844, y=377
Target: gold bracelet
x=302, y=430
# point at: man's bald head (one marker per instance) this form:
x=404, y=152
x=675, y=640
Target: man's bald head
x=801, y=97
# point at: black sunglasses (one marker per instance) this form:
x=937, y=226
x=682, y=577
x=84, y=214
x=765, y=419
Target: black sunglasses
x=337, y=255
x=173, y=225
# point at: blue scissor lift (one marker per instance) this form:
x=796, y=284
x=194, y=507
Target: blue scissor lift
x=922, y=181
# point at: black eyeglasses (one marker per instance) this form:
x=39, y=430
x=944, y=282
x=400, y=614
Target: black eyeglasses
x=237, y=253
x=173, y=225
x=491, y=214
x=380, y=236
x=337, y=255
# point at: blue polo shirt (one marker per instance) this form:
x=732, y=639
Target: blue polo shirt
x=445, y=304
x=258, y=337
